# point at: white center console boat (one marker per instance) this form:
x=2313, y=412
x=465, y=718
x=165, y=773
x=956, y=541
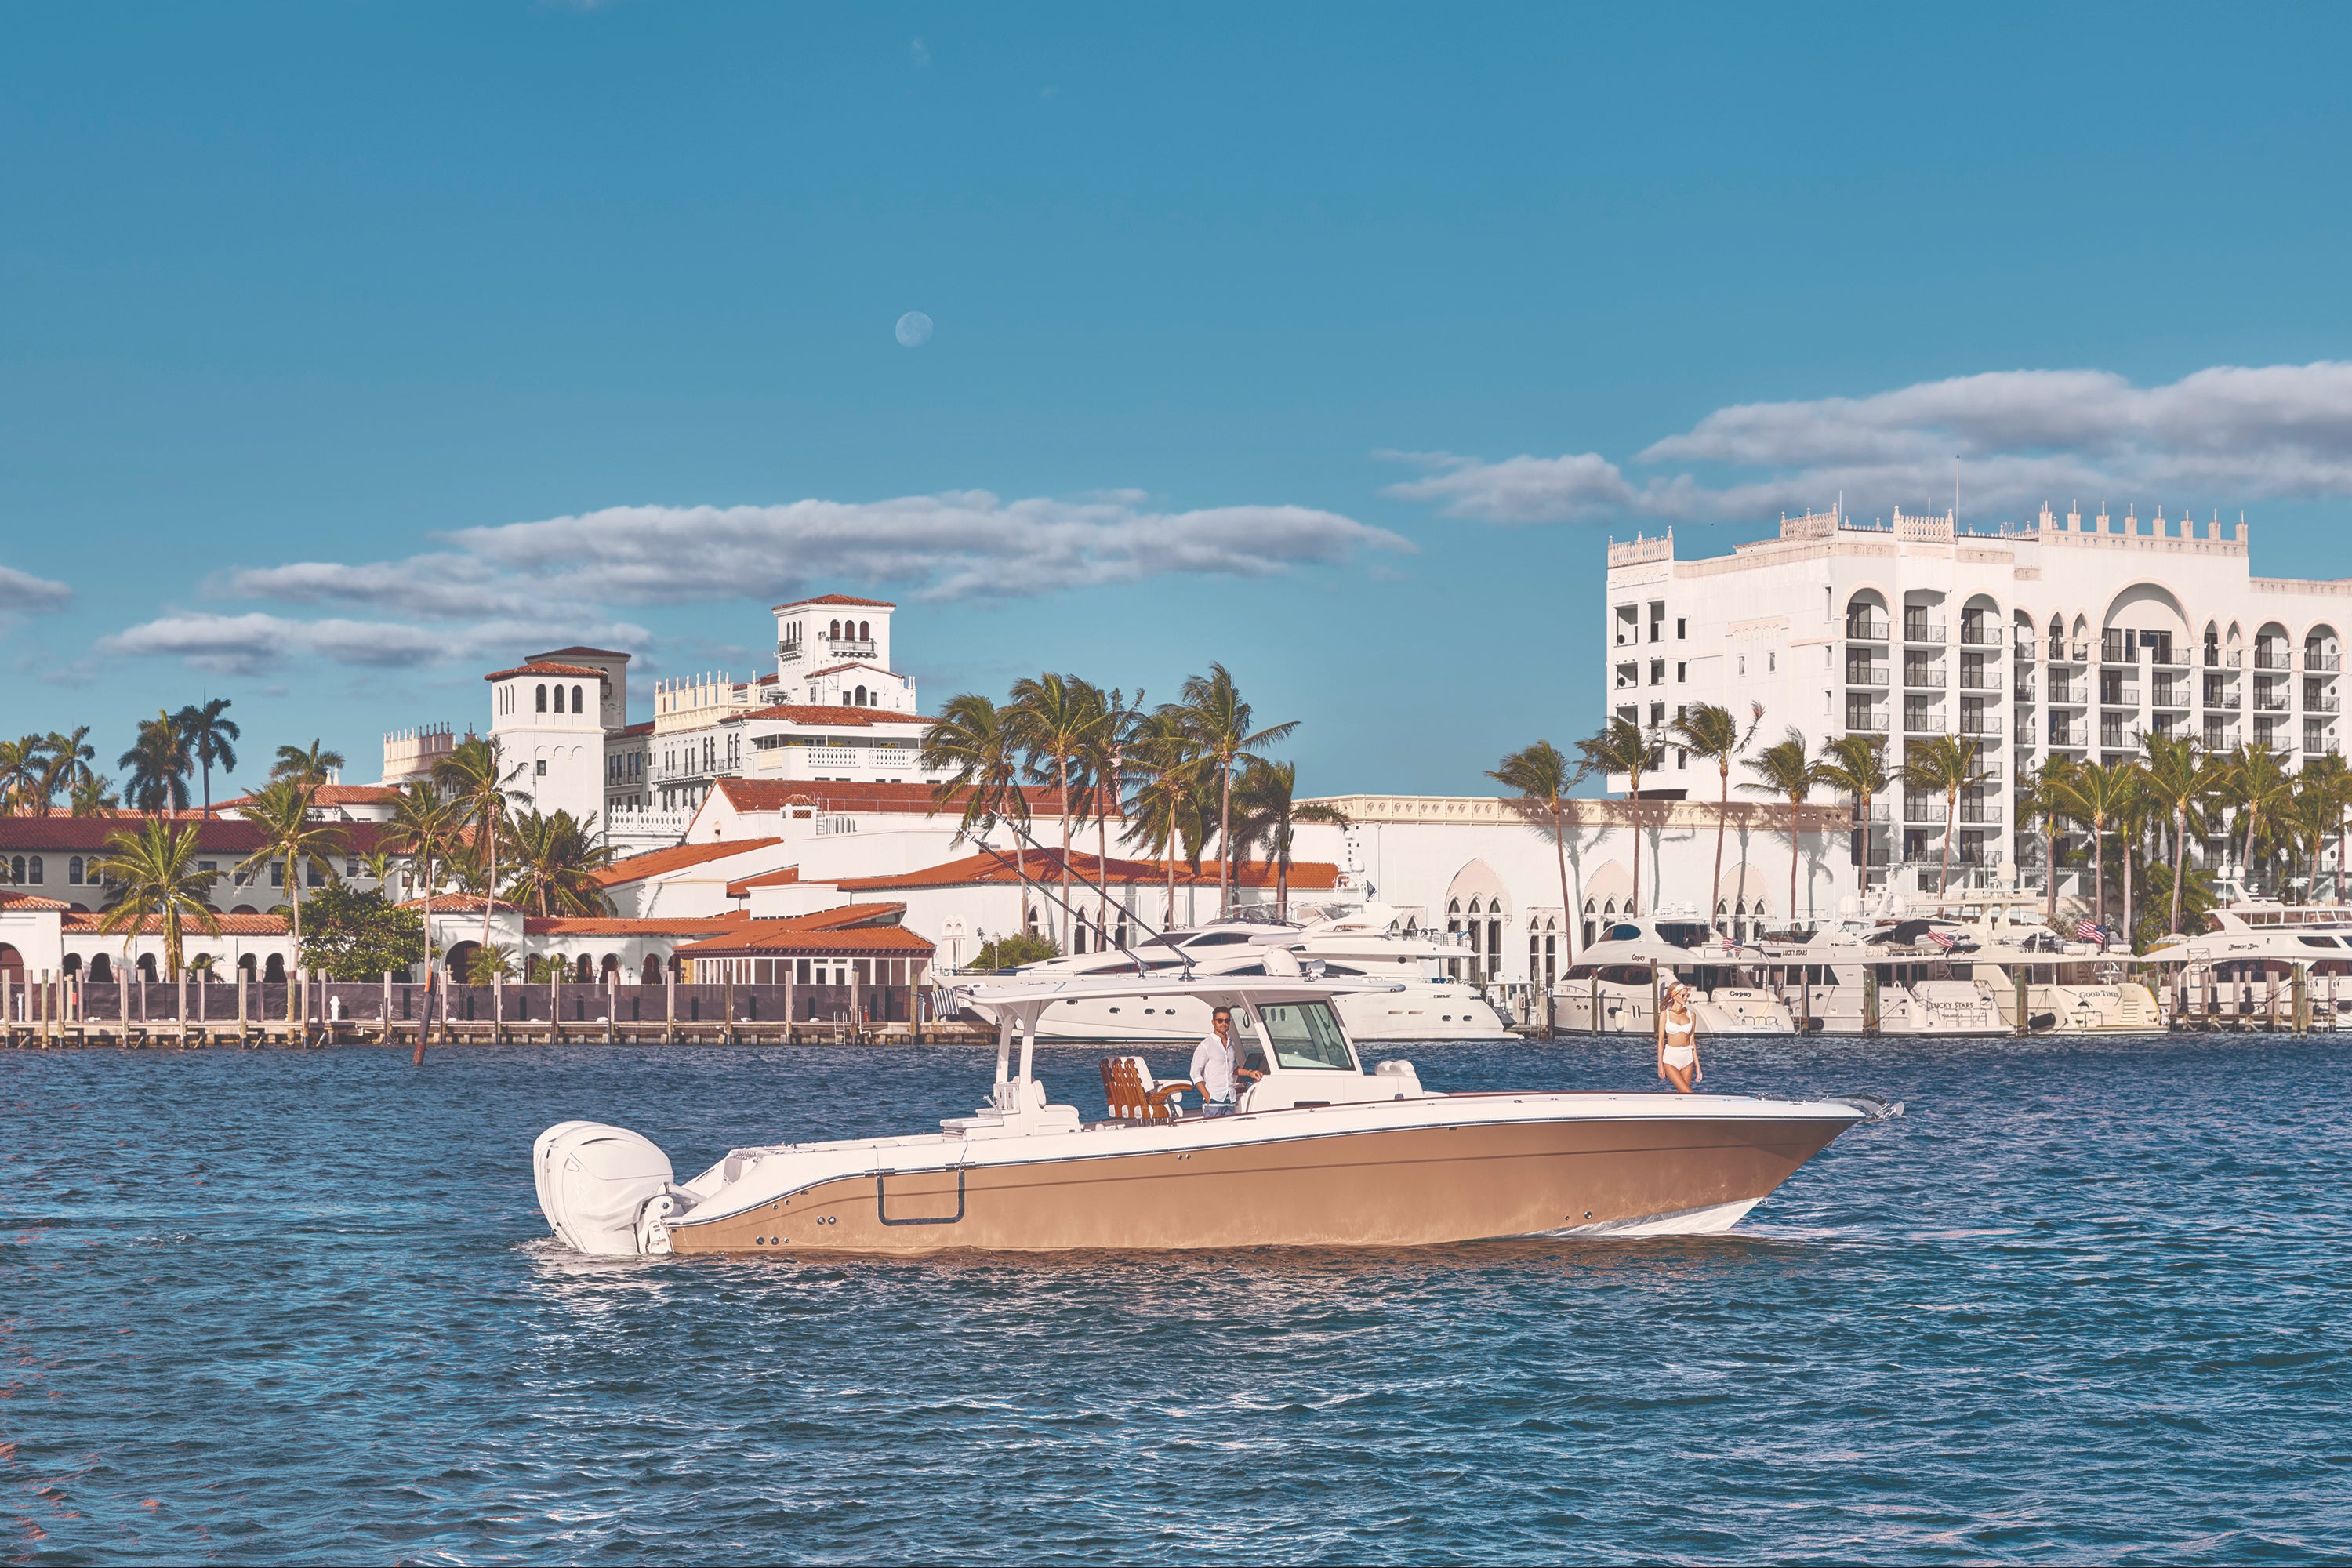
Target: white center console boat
x=1320, y=1153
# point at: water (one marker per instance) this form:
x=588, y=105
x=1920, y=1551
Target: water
x=2085, y=1302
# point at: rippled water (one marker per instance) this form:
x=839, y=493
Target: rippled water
x=2085, y=1302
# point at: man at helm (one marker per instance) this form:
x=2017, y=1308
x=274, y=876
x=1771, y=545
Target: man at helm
x=1215, y=1068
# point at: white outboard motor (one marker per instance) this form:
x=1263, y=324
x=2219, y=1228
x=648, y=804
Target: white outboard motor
x=604, y=1190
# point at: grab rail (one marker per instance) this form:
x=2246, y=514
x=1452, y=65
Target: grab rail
x=882, y=1209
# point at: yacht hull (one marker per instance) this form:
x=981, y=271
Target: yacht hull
x=1413, y=1186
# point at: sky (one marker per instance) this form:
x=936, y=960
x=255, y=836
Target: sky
x=350, y=350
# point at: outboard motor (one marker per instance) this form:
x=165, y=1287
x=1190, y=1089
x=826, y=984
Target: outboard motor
x=604, y=1190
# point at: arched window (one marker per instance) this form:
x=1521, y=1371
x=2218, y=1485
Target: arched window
x=73, y=871
x=585, y=970
x=73, y=963
x=576, y=707
x=864, y=633
x=651, y=972
x=859, y=700
x=835, y=632
x=36, y=869
x=147, y=967
x=274, y=973
x=102, y=969
x=559, y=698
x=542, y=699
x=244, y=966
x=16, y=869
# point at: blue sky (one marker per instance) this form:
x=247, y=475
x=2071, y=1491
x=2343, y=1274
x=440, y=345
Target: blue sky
x=1245, y=325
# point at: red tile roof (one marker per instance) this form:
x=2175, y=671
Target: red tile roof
x=645, y=728
x=783, y=879
x=828, y=713
x=82, y=922
x=537, y=666
x=1045, y=865
x=837, y=599
x=676, y=858
x=598, y=925
x=853, y=928
x=9, y=900
x=330, y=795
x=462, y=904
x=774, y=794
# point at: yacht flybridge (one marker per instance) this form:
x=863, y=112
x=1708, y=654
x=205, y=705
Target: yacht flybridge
x=1320, y=1153
x=1416, y=997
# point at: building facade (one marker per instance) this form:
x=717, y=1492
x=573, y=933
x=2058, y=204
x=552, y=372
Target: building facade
x=2064, y=635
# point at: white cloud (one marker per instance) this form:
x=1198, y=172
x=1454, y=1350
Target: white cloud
x=2218, y=437
x=492, y=590
x=21, y=593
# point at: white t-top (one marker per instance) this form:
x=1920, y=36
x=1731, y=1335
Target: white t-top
x=1212, y=1065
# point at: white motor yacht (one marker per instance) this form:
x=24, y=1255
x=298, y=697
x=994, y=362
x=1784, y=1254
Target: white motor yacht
x=2244, y=968
x=1320, y=1152
x=1612, y=986
x=1419, y=999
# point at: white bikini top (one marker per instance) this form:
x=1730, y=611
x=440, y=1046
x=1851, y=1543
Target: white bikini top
x=1682, y=1031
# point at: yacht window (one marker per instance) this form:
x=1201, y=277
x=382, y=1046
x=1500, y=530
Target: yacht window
x=1218, y=938
x=2317, y=941
x=1305, y=1035
x=1578, y=971
x=1329, y=968
x=1245, y=969
x=1626, y=974
x=1625, y=933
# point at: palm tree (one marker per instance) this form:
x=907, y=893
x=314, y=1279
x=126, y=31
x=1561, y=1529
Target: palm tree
x=975, y=742
x=1857, y=766
x=2043, y=798
x=1784, y=769
x=309, y=765
x=423, y=824
x=1540, y=777
x=1102, y=775
x=2261, y=790
x=280, y=814
x=1943, y=765
x=2328, y=776
x=65, y=764
x=2177, y=780
x=156, y=868
x=2310, y=821
x=556, y=862
x=1270, y=816
x=94, y=796
x=1710, y=732
x=1169, y=813
x=20, y=772
x=1054, y=718
x=1625, y=747
x=1220, y=728
x=158, y=764
x=490, y=962
x=2098, y=795
x=212, y=735
x=482, y=788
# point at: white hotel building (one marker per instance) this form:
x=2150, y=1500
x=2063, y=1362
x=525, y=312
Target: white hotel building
x=2063, y=636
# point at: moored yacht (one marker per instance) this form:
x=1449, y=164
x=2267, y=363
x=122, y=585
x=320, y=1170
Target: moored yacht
x=1320, y=1153
x=1416, y=996
x=1613, y=988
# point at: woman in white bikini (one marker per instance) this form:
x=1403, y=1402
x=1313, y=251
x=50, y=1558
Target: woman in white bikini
x=1678, y=1041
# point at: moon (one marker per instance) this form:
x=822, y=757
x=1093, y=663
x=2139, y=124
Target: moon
x=913, y=329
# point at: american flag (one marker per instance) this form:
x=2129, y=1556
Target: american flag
x=1943, y=938
x=2089, y=931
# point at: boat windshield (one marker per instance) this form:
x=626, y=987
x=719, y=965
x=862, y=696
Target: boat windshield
x=1305, y=1035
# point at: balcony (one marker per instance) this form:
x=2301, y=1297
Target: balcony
x=1628, y=676
x=2119, y=650
x=787, y=652
x=1865, y=675
x=1923, y=678
x=2022, y=692
x=849, y=648
x=1978, y=680
x=2063, y=652
x=2073, y=736
x=1979, y=634
x=2321, y=663
x=2169, y=694
x=2115, y=738
x=2220, y=737
x=2270, y=702
x=1866, y=628
x=1924, y=721
x=1922, y=631
x=2168, y=658
x=2273, y=658
x=2327, y=702
x=2119, y=697
x=1865, y=723
x=1929, y=810
x=1977, y=814
x=2215, y=659
x=2069, y=694
x=1985, y=726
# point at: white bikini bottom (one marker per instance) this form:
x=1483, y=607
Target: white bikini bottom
x=1681, y=1055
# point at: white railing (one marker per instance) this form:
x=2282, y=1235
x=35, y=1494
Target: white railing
x=834, y=756
x=894, y=756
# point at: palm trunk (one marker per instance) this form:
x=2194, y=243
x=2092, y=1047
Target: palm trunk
x=1951, y=831
x=1795, y=808
x=1567, y=909
x=2180, y=860
x=2049, y=868
x=2130, y=942
x=1102, y=867
x=1063, y=770
x=1633, y=810
x=294, y=894
x=2099, y=867
x=2339, y=859
x=1863, y=891
x=1722, y=809
x=1224, y=835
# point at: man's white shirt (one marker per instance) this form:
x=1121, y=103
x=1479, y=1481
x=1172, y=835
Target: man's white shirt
x=1212, y=1065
